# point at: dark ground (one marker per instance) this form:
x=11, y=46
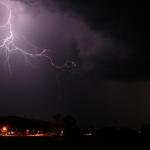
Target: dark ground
x=121, y=141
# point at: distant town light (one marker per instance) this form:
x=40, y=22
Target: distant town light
x=27, y=132
x=4, y=129
x=62, y=132
x=87, y=134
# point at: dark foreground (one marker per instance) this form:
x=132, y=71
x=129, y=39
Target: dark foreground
x=61, y=143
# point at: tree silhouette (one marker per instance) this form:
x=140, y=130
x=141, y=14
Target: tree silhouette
x=71, y=130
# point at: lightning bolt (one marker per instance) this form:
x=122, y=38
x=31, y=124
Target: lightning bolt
x=8, y=45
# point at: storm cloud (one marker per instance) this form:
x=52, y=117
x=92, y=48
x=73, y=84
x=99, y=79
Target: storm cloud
x=110, y=84
x=68, y=36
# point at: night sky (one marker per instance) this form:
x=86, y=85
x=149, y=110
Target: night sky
x=108, y=41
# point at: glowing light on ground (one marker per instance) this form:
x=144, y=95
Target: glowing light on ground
x=4, y=129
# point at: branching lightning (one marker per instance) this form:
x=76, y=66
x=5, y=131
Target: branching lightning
x=8, y=45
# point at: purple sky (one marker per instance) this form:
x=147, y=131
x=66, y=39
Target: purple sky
x=99, y=90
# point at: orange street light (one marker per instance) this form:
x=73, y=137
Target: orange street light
x=4, y=130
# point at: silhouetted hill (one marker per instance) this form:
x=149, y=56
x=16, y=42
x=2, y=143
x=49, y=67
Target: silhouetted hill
x=24, y=123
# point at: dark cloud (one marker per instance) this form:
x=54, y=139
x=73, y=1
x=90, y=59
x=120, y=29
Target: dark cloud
x=68, y=27
x=110, y=29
